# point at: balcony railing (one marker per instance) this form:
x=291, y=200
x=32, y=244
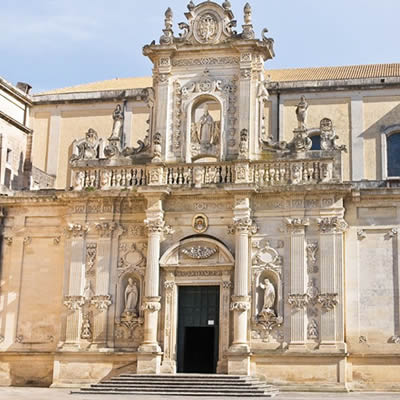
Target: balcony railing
x=260, y=173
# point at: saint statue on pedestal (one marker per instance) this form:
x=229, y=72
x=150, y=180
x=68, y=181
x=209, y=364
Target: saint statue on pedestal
x=118, y=117
x=269, y=294
x=131, y=297
x=205, y=131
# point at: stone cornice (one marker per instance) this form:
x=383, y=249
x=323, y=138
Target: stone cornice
x=334, y=84
x=15, y=123
x=94, y=96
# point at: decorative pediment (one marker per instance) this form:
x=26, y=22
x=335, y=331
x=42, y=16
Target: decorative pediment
x=197, y=251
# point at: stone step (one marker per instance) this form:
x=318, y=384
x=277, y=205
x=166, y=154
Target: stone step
x=198, y=394
x=204, y=384
x=183, y=384
x=179, y=387
x=186, y=381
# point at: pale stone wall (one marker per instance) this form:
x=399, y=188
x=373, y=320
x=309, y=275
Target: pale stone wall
x=57, y=126
x=380, y=112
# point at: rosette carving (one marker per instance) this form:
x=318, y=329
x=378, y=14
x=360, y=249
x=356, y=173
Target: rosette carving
x=101, y=302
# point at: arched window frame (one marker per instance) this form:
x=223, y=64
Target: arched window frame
x=314, y=132
x=386, y=133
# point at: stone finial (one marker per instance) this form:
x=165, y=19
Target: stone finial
x=191, y=6
x=247, y=13
x=227, y=5
x=248, y=32
x=168, y=36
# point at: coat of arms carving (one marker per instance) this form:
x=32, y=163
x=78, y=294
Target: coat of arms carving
x=207, y=28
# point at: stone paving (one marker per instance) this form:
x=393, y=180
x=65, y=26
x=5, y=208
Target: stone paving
x=64, y=394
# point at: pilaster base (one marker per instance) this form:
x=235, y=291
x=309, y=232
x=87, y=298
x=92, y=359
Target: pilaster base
x=168, y=367
x=333, y=347
x=148, y=363
x=238, y=363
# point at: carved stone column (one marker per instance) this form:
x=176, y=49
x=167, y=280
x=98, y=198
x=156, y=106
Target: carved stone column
x=238, y=355
x=149, y=357
x=331, y=297
x=74, y=300
x=297, y=299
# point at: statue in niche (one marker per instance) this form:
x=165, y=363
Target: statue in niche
x=301, y=113
x=206, y=130
x=118, y=117
x=269, y=295
x=131, y=297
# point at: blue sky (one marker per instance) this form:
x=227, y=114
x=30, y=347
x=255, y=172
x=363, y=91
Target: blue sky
x=58, y=43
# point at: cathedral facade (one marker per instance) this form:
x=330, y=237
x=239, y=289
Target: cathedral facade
x=219, y=218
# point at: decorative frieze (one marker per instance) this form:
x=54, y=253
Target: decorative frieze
x=189, y=62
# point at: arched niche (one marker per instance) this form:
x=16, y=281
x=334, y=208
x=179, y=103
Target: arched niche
x=205, y=125
x=121, y=288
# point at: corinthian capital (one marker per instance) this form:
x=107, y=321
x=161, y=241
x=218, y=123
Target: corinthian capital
x=243, y=225
x=297, y=225
x=157, y=225
x=334, y=224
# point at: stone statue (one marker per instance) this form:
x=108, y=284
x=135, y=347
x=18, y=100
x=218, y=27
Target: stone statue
x=301, y=112
x=269, y=294
x=205, y=130
x=87, y=148
x=131, y=296
x=118, y=117
x=88, y=292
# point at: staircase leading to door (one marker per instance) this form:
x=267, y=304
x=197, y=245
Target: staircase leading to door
x=183, y=384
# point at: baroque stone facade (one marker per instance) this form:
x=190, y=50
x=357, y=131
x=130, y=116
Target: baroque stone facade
x=303, y=258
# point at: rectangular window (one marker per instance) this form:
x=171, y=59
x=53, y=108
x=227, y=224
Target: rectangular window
x=8, y=158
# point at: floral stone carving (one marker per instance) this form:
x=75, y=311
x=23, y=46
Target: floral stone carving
x=199, y=252
x=328, y=301
x=298, y=301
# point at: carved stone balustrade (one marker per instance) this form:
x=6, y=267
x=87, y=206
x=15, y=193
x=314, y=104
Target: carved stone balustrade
x=284, y=171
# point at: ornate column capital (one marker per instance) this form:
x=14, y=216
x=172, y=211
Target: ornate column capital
x=298, y=301
x=106, y=229
x=328, y=301
x=74, y=303
x=101, y=302
x=157, y=225
x=243, y=225
x=332, y=225
x=76, y=230
x=151, y=304
x=240, y=303
x=296, y=225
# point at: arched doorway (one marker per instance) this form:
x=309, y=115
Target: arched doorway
x=197, y=281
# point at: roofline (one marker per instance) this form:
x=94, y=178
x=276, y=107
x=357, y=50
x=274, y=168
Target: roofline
x=138, y=94
x=15, y=123
x=14, y=91
x=334, y=84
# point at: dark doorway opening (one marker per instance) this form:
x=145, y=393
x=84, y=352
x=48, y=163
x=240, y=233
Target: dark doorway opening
x=198, y=322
